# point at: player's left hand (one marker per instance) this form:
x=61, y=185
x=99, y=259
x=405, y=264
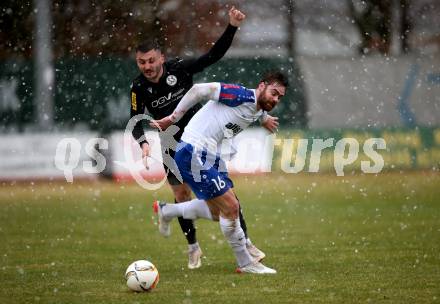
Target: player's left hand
x=161, y=124
x=271, y=123
x=236, y=16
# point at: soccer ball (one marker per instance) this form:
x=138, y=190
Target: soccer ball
x=142, y=275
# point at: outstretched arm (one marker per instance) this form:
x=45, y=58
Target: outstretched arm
x=220, y=47
x=198, y=93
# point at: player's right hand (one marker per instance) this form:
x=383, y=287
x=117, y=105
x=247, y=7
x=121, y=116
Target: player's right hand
x=236, y=16
x=270, y=123
x=145, y=154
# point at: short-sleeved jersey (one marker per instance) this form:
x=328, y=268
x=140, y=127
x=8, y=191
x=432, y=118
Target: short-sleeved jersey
x=232, y=110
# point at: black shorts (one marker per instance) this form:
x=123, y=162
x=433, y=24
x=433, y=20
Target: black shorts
x=173, y=170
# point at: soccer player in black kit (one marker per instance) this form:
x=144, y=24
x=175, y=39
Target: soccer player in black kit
x=157, y=91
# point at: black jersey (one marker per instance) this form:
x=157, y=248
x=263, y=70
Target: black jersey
x=160, y=99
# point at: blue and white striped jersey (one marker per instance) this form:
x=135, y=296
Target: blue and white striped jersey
x=231, y=109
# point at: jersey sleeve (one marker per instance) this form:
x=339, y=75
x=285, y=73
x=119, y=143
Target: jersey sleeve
x=217, y=51
x=234, y=95
x=198, y=93
x=137, y=108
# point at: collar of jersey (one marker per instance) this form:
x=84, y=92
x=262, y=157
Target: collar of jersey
x=255, y=100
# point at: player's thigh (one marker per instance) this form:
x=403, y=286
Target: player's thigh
x=215, y=211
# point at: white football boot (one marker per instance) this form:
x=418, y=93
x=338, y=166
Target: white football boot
x=256, y=267
x=194, y=258
x=256, y=253
x=163, y=222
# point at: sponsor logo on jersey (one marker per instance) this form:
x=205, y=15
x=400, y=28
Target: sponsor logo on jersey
x=232, y=128
x=171, y=80
x=133, y=101
x=165, y=100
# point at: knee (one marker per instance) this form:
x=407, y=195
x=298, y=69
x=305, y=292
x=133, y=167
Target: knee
x=182, y=194
x=231, y=211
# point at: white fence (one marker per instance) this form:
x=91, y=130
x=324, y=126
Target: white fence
x=372, y=92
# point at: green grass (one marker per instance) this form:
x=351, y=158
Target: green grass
x=332, y=239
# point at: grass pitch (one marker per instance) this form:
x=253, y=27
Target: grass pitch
x=332, y=239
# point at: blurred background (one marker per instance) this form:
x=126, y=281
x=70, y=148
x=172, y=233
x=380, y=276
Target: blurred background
x=358, y=69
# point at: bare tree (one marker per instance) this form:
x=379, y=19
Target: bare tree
x=405, y=25
x=290, y=41
x=373, y=21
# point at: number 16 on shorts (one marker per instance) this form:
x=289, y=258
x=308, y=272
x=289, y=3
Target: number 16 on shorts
x=219, y=183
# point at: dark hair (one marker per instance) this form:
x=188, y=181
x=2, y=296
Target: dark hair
x=152, y=43
x=271, y=77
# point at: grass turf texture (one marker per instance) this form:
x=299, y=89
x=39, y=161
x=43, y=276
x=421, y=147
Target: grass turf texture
x=333, y=239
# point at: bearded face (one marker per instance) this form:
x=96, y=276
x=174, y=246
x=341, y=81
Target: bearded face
x=270, y=95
